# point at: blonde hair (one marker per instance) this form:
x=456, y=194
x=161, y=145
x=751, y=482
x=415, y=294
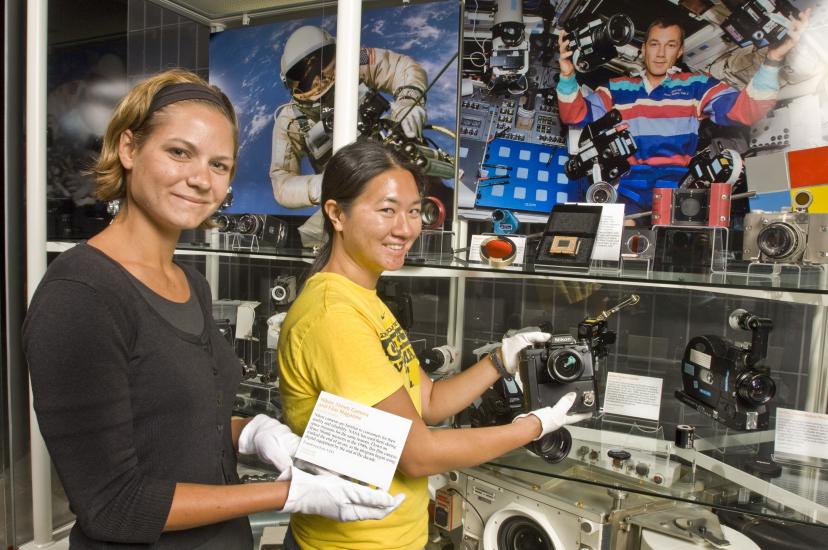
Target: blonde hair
x=133, y=113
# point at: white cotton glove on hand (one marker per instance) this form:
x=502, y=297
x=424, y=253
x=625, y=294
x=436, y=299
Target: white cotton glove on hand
x=412, y=124
x=335, y=498
x=271, y=441
x=510, y=347
x=555, y=417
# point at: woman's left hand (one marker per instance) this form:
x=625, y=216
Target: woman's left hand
x=271, y=441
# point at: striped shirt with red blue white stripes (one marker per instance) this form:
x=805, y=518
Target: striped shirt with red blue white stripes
x=664, y=120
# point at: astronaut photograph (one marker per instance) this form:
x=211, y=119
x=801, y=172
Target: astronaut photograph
x=280, y=77
x=593, y=101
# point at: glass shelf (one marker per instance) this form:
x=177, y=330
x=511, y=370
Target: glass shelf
x=712, y=477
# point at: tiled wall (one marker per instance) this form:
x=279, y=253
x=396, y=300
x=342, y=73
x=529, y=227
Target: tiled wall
x=160, y=39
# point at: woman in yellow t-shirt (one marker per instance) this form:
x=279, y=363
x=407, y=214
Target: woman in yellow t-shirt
x=340, y=337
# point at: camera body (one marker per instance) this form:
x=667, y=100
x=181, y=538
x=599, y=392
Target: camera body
x=560, y=366
x=705, y=207
x=266, y=228
x=594, y=39
x=718, y=382
x=607, y=143
x=753, y=20
x=723, y=380
x=786, y=237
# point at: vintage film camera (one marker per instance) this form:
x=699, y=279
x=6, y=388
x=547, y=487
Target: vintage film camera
x=268, y=229
x=722, y=379
x=603, y=149
x=787, y=237
x=594, y=39
x=567, y=364
x=758, y=20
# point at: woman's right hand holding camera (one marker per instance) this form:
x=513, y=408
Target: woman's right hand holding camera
x=565, y=62
x=336, y=498
x=556, y=417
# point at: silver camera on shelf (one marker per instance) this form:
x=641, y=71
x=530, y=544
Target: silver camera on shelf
x=787, y=237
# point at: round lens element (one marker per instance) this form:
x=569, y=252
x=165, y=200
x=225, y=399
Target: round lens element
x=756, y=388
x=248, y=224
x=554, y=446
x=565, y=365
x=432, y=213
x=638, y=244
x=523, y=533
x=690, y=206
x=778, y=241
x=620, y=29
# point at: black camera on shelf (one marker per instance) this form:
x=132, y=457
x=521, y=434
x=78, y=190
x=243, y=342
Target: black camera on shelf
x=758, y=20
x=608, y=143
x=723, y=380
x=594, y=39
x=283, y=291
x=267, y=229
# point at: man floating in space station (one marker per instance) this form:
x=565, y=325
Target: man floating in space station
x=663, y=105
x=303, y=127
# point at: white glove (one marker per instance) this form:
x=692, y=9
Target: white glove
x=553, y=418
x=412, y=124
x=335, y=498
x=271, y=441
x=511, y=346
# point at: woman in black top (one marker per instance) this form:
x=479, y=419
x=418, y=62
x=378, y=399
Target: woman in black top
x=133, y=384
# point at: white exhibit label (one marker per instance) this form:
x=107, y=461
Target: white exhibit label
x=607, y=246
x=354, y=440
x=801, y=433
x=632, y=395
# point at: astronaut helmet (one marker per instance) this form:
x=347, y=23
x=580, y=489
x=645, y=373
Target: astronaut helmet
x=308, y=63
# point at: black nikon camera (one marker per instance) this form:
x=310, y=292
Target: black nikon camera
x=722, y=379
x=549, y=371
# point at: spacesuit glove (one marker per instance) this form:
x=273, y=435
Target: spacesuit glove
x=335, y=498
x=511, y=345
x=555, y=417
x=412, y=124
x=271, y=441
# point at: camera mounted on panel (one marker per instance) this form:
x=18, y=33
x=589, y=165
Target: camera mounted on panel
x=603, y=149
x=594, y=38
x=787, y=237
x=704, y=195
x=723, y=380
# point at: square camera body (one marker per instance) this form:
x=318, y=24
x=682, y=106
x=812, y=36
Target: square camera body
x=692, y=207
x=786, y=237
x=560, y=366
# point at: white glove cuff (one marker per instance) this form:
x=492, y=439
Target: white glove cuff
x=543, y=432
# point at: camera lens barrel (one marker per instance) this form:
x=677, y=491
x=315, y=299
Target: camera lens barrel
x=565, y=365
x=756, y=388
x=554, y=446
x=780, y=241
x=685, y=435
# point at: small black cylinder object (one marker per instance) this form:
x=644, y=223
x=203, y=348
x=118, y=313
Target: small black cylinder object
x=554, y=446
x=684, y=436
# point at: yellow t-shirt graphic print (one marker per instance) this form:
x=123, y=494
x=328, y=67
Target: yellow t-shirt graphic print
x=341, y=338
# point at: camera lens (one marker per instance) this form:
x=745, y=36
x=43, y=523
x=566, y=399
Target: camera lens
x=690, y=207
x=638, y=244
x=778, y=241
x=225, y=223
x=757, y=388
x=620, y=29
x=554, y=446
x=565, y=365
x=523, y=533
x=601, y=193
x=248, y=224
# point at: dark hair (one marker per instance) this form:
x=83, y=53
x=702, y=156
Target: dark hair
x=345, y=178
x=665, y=22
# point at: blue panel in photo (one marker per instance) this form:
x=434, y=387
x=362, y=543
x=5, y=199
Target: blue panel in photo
x=533, y=182
x=771, y=202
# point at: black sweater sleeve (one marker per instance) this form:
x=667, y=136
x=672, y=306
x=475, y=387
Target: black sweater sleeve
x=76, y=343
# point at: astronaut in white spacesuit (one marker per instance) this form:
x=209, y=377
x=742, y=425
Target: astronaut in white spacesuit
x=308, y=65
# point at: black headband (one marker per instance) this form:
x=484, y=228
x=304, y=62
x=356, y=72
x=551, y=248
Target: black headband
x=182, y=92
